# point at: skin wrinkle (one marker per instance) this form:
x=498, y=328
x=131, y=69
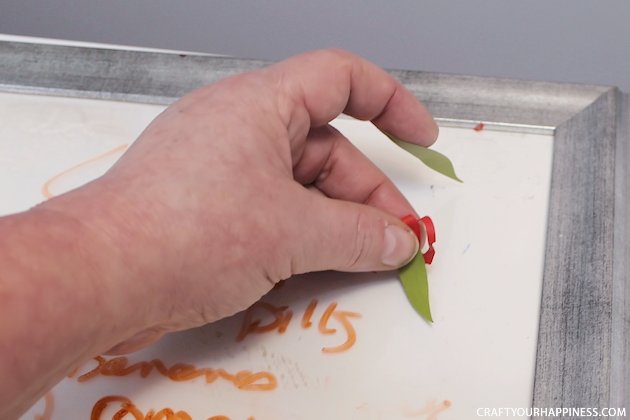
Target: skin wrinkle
x=332, y=161
x=376, y=118
x=327, y=166
x=288, y=105
x=280, y=259
x=360, y=248
x=350, y=70
x=374, y=190
x=340, y=60
x=310, y=177
x=348, y=107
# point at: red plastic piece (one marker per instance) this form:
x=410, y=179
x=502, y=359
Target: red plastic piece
x=414, y=224
x=430, y=228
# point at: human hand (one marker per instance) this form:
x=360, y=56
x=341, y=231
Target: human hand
x=243, y=183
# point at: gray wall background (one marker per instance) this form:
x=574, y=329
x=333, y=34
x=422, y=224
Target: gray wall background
x=555, y=40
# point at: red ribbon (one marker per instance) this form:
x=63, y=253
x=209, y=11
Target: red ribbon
x=414, y=224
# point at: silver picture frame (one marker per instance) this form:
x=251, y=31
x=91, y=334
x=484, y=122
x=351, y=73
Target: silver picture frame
x=583, y=350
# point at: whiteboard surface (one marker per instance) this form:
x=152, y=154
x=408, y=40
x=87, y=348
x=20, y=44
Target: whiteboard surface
x=485, y=283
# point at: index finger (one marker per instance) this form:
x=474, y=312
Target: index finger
x=321, y=85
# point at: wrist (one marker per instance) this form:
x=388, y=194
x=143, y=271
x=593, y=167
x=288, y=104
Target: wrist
x=60, y=302
x=94, y=265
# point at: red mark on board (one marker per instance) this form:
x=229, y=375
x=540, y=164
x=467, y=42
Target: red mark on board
x=478, y=127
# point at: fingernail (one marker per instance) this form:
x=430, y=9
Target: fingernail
x=399, y=246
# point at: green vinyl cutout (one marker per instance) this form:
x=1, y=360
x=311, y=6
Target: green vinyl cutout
x=413, y=276
x=415, y=283
x=434, y=160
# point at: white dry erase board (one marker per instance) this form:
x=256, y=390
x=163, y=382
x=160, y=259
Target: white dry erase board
x=485, y=283
x=527, y=312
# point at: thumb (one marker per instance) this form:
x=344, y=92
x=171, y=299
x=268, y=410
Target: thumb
x=347, y=236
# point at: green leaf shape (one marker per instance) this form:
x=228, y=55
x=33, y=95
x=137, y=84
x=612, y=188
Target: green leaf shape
x=415, y=283
x=434, y=160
